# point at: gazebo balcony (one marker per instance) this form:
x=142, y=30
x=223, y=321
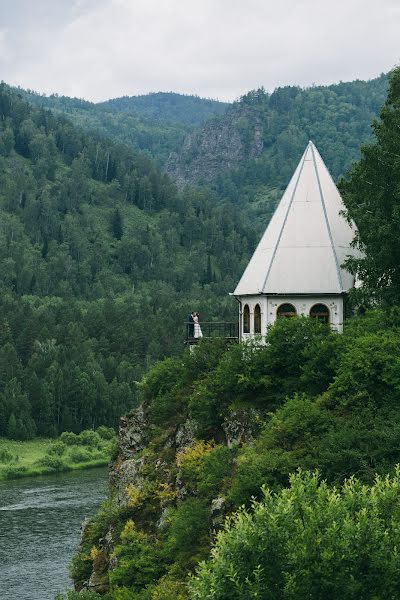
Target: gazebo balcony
x=212, y=330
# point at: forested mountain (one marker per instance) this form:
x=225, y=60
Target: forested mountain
x=168, y=106
x=100, y=261
x=260, y=138
x=101, y=257
x=245, y=151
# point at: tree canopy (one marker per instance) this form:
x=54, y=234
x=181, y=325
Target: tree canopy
x=372, y=196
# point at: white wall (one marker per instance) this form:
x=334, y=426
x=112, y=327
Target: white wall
x=303, y=304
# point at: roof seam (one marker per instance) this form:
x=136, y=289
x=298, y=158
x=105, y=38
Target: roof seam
x=339, y=275
x=284, y=223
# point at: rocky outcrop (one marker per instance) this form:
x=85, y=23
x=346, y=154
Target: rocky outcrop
x=240, y=426
x=146, y=476
x=132, y=432
x=220, y=146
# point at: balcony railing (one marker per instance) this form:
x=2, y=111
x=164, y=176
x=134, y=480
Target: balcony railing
x=211, y=330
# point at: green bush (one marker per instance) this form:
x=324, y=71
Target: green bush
x=204, y=467
x=56, y=448
x=290, y=438
x=53, y=462
x=138, y=560
x=368, y=372
x=69, y=438
x=188, y=533
x=90, y=438
x=106, y=433
x=79, y=455
x=309, y=541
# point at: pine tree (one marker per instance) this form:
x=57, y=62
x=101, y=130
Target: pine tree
x=372, y=196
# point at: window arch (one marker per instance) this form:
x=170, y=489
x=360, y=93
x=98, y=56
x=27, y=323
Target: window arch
x=286, y=310
x=257, y=319
x=320, y=312
x=246, y=319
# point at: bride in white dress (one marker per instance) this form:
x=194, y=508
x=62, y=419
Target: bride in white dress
x=197, y=329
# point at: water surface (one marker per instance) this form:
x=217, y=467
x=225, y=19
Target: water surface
x=40, y=521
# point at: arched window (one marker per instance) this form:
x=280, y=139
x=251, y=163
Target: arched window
x=320, y=312
x=257, y=319
x=246, y=319
x=286, y=310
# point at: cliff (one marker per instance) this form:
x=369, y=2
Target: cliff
x=215, y=425
x=218, y=147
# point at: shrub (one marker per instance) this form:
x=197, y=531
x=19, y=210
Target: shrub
x=138, y=561
x=369, y=372
x=290, y=438
x=204, y=466
x=69, y=438
x=107, y=516
x=79, y=455
x=188, y=533
x=163, y=387
x=106, y=433
x=309, y=541
x=168, y=589
x=55, y=463
x=91, y=438
x=56, y=449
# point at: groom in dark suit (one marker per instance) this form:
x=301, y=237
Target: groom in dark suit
x=190, y=325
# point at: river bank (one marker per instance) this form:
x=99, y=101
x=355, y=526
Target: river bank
x=43, y=456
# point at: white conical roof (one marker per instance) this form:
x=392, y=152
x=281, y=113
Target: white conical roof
x=307, y=239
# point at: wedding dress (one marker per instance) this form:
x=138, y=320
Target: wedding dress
x=197, y=329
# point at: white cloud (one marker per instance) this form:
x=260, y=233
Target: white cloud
x=218, y=48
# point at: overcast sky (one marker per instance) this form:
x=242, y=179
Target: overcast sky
x=98, y=49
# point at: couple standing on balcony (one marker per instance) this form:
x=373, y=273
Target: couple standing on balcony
x=194, y=325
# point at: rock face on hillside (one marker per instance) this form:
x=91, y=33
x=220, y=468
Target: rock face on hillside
x=221, y=145
x=260, y=138
x=140, y=461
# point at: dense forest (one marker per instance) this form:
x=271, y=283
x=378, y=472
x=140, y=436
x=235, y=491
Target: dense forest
x=222, y=430
x=89, y=294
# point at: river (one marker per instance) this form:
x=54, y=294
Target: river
x=40, y=521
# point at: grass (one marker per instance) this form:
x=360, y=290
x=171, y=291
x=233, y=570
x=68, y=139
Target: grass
x=42, y=456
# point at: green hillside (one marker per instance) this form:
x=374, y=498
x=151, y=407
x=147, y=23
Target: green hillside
x=101, y=259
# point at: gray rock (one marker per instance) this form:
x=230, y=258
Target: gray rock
x=186, y=434
x=219, y=146
x=132, y=432
x=128, y=472
x=240, y=426
x=218, y=506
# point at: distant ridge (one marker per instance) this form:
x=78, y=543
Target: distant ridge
x=168, y=106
